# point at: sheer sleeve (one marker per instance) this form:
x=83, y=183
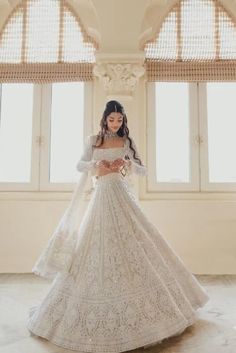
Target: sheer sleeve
x=135, y=166
x=86, y=163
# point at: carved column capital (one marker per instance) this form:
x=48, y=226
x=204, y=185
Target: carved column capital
x=119, y=78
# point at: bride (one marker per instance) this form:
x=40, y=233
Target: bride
x=117, y=283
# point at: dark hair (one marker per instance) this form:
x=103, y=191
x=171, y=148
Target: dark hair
x=115, y=106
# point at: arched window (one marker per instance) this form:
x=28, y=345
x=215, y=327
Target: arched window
x=191, y=110
x=195, y=42
x=44, y=41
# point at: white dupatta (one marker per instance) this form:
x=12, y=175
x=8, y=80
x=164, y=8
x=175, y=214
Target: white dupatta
x=58, y=253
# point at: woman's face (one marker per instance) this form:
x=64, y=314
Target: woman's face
x=114, y=121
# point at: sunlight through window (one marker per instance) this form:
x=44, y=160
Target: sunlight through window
x=66, y=143
x=16, y=132
x=172, y=132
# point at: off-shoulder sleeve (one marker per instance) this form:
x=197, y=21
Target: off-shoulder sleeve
x=86, y=163
x=135, y=166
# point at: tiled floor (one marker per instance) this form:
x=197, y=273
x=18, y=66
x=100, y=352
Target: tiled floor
x=214, y=332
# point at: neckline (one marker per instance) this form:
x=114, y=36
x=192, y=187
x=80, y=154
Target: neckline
x=108, y=148
x=112, y=148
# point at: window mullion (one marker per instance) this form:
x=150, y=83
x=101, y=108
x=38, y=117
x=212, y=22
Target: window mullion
x=203, y=133
x=193, y=137
x=45, y=137
x=35, y=156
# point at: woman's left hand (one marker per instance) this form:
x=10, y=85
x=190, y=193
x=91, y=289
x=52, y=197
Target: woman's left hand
x=118, y=163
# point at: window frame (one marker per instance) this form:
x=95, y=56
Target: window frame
x=200, y=188
x=40, y=144
x=45, y=185
x=152, y=184
x=34, y=182
x=205, y=184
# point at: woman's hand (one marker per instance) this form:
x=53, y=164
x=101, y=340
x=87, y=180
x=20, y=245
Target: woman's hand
x=103, y=167
x=117, y=164
x=106, y=167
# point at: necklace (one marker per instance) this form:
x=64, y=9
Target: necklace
x=110, y=134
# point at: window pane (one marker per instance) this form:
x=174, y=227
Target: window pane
x=67, y=117
x=221, y=112
x=16, y=132
x=172, y=132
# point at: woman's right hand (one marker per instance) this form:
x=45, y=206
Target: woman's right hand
x=103, y=167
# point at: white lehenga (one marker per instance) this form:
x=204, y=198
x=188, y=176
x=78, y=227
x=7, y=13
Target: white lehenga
x=126, y=287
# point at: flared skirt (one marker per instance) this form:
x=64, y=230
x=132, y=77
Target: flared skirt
x=126, y=287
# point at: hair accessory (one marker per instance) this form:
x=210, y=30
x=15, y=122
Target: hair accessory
x=115, y=108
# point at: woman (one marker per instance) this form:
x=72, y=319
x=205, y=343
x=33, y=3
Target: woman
x=122, y=286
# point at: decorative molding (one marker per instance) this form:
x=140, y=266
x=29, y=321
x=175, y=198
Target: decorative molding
x=119, y=78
